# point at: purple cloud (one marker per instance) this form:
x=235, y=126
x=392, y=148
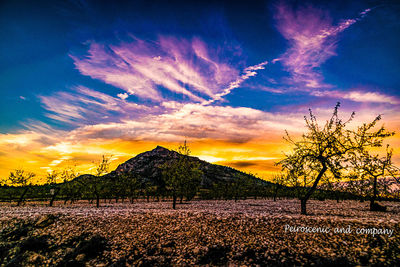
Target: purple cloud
x=312, y=38
x=248, y=72
x=358, y=95
x=86, y=106
x=186, y=67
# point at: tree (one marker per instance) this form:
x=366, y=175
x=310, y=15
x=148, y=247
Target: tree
x=238, y=186
x=132, y=186
x=279, y=181
x=217, y=190
x=324, y=152
x=374, y=170
x=182, y=176
x=21, y=178
x=126, y=185
x=51, y=179
x=95, y=182
x=69, y=188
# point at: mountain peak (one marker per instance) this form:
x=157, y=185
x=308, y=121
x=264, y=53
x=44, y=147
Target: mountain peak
x=160, y=148
x=148, y=166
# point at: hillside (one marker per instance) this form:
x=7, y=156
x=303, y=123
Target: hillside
x=147, y=165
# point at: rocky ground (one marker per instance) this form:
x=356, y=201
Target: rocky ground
x=247, y=232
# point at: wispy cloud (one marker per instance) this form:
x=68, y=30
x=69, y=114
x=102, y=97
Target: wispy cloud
x=374, y=97
x=248, y=72
x=312, y=38
x=183, y=67
x=83, y=106
x=171, y=89
x=359, y=96
x=195, y=122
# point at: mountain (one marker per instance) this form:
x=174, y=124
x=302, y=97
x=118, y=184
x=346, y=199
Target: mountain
x=147, y=165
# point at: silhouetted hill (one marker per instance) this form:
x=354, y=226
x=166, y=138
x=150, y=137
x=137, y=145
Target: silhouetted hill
x=147, y=165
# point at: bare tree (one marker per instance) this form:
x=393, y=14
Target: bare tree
x=126, y=185
x=279, y=181
x=182, y=174
x=95, y=182
x=375, y=170
x=69, y=188
x=323, y=151
x=51, y=179
x=21, y=178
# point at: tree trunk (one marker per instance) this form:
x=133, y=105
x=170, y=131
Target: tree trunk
x=21, y=198
x=303, y=200
x=53, y=197
x=303, y=206
x=275, y=194
x=174, y=201
x=375, y=192
x=97, y=201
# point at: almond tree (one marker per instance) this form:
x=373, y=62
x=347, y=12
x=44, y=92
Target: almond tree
x=279, y=181
x=374, y=169
x=334, y=187
x=323, y=151
x=126, y=185
x=238, y=187
x=95, y=182
x=51, y=179
x=181, y=174
x=133, y=186
x=21, y=178
x=69, y=188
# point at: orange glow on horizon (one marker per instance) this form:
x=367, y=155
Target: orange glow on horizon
x=256, y=156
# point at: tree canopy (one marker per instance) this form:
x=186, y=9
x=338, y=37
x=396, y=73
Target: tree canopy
x=325, y=151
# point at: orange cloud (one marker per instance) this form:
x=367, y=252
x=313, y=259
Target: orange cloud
x=244, y=138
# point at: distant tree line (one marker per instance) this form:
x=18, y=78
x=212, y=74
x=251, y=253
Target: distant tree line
x=65, y=186
x=329, y=162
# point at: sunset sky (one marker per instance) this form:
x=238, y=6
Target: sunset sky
x=79, y=79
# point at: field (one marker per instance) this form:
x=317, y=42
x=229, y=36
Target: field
x=246, y=232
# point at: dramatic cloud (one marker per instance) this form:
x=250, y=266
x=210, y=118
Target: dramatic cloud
x=195, y=122
x=247, y=73
x=86, y=106
x=144, y=68
x=172, y=88
x=312, y=38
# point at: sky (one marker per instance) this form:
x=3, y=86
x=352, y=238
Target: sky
x=82, y=79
